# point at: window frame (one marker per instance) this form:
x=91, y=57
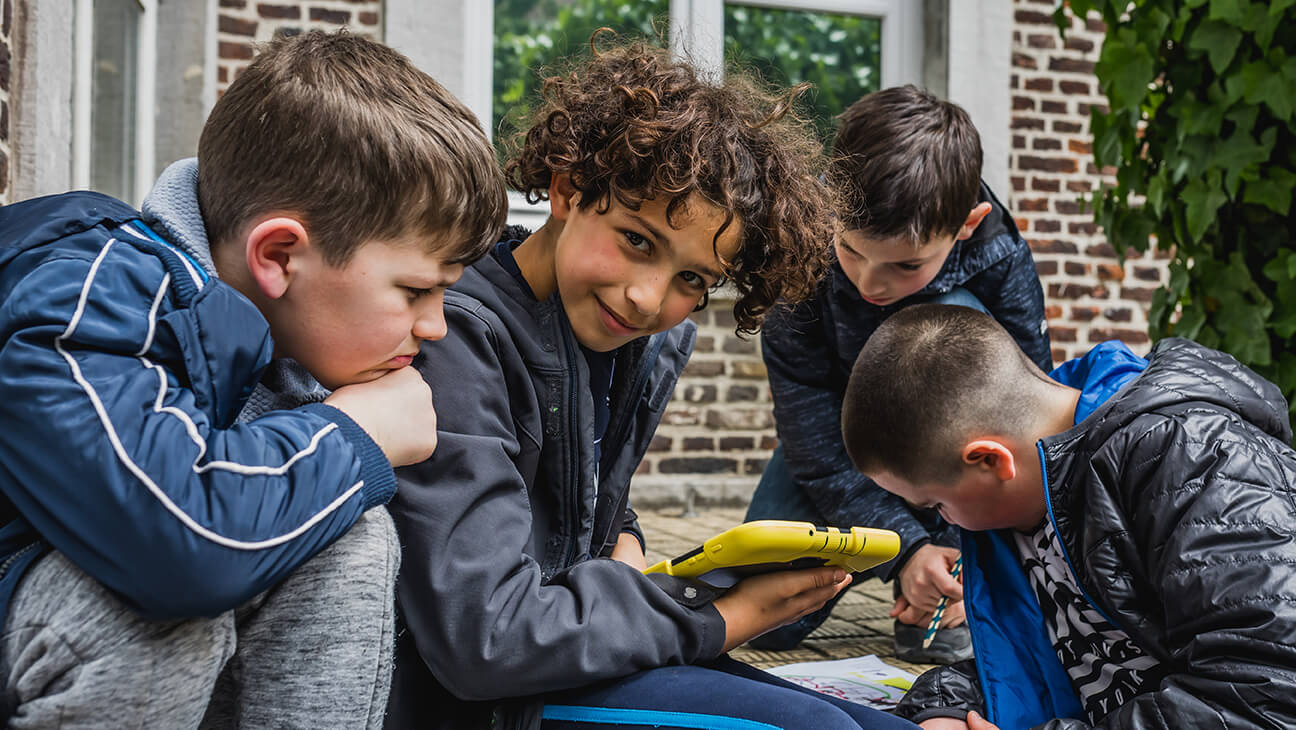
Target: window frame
x=145, y=96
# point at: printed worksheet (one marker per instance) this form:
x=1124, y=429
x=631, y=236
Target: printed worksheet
x=866, y=679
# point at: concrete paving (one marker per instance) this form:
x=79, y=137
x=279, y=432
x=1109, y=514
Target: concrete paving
x=859, y=624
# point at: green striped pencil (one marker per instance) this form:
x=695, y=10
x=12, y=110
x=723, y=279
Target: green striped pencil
x=940, y=607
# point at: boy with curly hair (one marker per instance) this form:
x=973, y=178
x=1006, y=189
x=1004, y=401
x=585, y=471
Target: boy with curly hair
x=1128, y=554
x=920, y=226
x=203, y=402
x=522, y=591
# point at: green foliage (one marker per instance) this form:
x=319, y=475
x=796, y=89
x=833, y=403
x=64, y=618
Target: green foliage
x=1199, y=129
x=839, y=54
x=532, y=35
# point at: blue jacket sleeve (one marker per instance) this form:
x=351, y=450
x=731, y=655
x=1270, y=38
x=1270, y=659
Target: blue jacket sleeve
x=112, y=452
x=807, y=408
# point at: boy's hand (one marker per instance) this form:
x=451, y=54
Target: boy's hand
x=629, y=551
x=923, y=580
x=764, y=602
x=396, y=411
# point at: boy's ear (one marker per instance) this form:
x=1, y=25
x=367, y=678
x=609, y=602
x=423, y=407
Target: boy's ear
x=973, y=220
x=274, y=247
x=563, y=196
x=992, y=455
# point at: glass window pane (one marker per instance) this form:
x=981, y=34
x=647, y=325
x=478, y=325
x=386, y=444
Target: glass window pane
x=840, y=54
x=112, y=112
x=531, y=34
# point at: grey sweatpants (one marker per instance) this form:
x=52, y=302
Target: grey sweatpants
x=314, y=651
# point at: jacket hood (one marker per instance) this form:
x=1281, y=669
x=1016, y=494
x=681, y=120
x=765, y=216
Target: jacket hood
x=172, y=205
x=1182, y=372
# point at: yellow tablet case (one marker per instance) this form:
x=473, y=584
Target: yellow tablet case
x=766, y=545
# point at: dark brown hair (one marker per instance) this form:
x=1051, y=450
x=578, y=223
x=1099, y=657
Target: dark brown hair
x=908, y=164
x=925, y=380
x=633, y=123
x=347, y=134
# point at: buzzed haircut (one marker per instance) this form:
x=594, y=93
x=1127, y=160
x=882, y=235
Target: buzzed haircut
x=930, y=378
x=908, y=165
x=345, y=133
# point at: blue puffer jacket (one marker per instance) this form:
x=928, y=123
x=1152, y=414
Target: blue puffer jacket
x=809, y=352
x=123, y=368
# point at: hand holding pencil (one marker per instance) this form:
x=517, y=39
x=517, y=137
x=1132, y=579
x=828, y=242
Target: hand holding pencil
x=940, y=607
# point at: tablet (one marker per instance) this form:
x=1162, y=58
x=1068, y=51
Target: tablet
x=766, y=545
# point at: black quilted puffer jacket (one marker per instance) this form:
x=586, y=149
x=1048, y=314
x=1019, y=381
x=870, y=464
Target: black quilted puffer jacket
x=1176, y=502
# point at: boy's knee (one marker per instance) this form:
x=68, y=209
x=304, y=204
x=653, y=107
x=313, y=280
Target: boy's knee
x=370, y=545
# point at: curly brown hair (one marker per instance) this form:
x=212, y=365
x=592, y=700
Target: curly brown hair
x=633, y=123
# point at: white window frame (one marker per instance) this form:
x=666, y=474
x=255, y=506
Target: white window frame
x=145, y=96
x=454, y=40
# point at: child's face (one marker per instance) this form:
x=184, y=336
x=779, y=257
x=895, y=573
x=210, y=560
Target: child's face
x=886, y=270
x=980, y=500
x=625, y=273
x=355, y=323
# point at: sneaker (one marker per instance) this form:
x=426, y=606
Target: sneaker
x=948, y=645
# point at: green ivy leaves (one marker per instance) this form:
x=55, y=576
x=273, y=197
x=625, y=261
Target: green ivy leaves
x=1202, y=99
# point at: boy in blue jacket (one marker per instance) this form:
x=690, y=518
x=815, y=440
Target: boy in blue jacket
x=200, y=399
x=920, y=226
x=1128, y=555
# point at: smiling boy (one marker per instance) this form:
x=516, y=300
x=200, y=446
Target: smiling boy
x=920, y=226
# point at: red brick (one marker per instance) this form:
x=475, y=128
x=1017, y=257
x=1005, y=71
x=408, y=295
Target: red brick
x=1071, y=65
x=705, y=343
x=366, y=17
x=1062, y=334
x=697, y=465
x=1080, y=147
x=699, y=443
x=1119, y=314
x=1067, y=127
x=1084, y=314
x=1030, y=17
x=1101, y=250
x=769, y=443
x=237, y=26
x=1019, y=122
x=1036, y=205
x=1041, y=41
x=660, y=443
x=645, y=467
x=1048, y=164
x=1048, y=226
x=1021, y=60
x=1052, y=311
x=1019, y=142
x=233, y=3
x=1069, y=291
x=704, y=368
x=325, y=15
x=1023, y=103
x=1053, y=107
x=1069, y=207
x=1076, y=268
x=222, y=74
x=1128, y=336
x=1045, y=185
x=1077, y=88
x=1095, y=25
x=279, y=12
x=737, y=443
x=1018, y=183
x=1147, y=273
x=238, y=51
x=1074, y=43
x=1138, y=294
x=752, y=467
x=1046, y=268
x=1046, y=143
x=1082, y=228
x=735, y=346
x=1079, y=186
x=1111, y=272
x=742, y=393
x=1055, y=245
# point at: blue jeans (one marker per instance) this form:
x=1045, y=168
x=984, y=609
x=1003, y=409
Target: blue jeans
x=724, y=694
x=779, y=497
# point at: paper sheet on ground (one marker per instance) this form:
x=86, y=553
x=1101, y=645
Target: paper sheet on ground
x=866, y=679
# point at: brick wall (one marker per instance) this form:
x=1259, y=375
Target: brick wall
x=1091, y=296
x=718, y=431
x=242, y=23
x=6, y=76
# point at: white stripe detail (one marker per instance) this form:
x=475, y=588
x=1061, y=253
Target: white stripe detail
x=193, y=273
x=144, y=478
x=152, y=315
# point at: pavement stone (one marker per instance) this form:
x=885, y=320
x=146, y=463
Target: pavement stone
x=859, y=624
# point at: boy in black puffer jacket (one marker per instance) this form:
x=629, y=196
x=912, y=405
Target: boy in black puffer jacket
x=1128, y=553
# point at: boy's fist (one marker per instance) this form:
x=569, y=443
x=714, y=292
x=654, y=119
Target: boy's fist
x=396, y=411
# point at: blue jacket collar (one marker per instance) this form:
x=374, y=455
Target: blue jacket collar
x=172, y=209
